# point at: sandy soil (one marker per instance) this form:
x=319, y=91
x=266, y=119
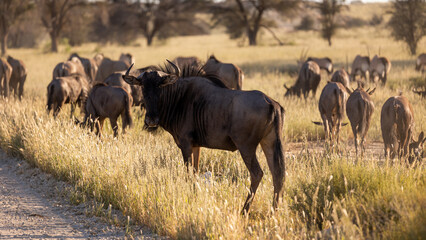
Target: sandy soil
x=34, y=205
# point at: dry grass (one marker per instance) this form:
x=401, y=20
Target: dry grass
x=143, y=174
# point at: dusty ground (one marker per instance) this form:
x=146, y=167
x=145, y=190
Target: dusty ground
x=35, y=205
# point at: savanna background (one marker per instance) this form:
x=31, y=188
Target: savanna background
x=328, y=194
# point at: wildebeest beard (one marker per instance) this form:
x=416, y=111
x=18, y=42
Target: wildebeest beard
x=150, y=129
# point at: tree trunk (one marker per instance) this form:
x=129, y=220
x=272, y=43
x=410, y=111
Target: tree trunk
x=252, y=37
x=413, y=48
x=4, y=44
x=149, y=40
x=54, y=42
x=329, y=41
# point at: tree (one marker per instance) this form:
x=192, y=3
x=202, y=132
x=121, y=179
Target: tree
x=247, y=17
x=54, y=16
x=10, y=11
x=329, y=9
x=408, y=22
x=155, y=15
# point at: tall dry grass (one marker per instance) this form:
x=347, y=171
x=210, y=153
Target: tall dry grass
x=143, y=174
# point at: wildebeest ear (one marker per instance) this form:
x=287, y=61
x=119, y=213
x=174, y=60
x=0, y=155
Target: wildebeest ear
x=372, y=91
x=131, y=80
x=168, y=80
x=317, y=123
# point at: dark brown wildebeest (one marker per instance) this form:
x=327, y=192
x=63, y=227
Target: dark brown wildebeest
x=342, y=77
x=230, y=74
x=359, y=109
x=397, y=121
x=89, y=65
x=70, y=89
x=416, y=148
x=193, y=61
x=68, y=68
x=135, y=91
x=199, y=111
x=108, y=66
x=324, y=63
x=332, y=104
x=309, y=79
x=360, y=66
x=379, y=69
x=421, y=62
x=108, y=102
x=5, y=74
x=18, y=77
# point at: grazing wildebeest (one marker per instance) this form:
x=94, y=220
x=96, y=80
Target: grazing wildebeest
x=397, y=121
x=18, y=77
x=379, y=69
x=309, y=79
x=420, y=92
x=342, y=77
x=331, y=106
x=230, y=74
x=5, y=74
x=108, y=66
x=359, y=109
x=421, y=62
x=108, y=102
x=70, y=89
x=324, y=63
x=360, y=66
x=193, y=61
x=68, y=68
x=416, y=148
x=89, y=65
x=199, y=111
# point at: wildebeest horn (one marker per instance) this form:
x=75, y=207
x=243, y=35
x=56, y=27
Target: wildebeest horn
x=372, y=91
x=286, y=87
x=128, y=70
x=317, y=123
x=177, y=70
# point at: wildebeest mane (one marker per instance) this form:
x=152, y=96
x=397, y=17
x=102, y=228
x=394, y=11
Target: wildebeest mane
x=189, y=70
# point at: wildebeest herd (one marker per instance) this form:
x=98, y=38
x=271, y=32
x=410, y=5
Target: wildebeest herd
x=201, y=104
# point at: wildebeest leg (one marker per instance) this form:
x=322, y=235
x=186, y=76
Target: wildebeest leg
x=99, y=125
x=114, y=125
x=338, y=126
x=21, y=88
x=195, y=158
x=256, y=174
x=268, y=145
x=72, y=109
x=57, y=108
x=186, y=149
x=355, y=138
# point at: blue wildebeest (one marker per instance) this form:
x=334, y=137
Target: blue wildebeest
x=308, y=79
x=199, y=111
x=332, y=104
x=5, y=74
x=379, y=69
x=397, y=122
x=360, y=66
x=18, y=77
x=342, y=77
x=421, y=62
x=230, y=74
x=359, y=109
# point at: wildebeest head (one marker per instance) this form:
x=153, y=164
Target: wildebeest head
x=151, y=83
x=291, y=91
x=416, y=148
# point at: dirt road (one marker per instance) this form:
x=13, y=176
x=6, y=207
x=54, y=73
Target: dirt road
x=33, y=205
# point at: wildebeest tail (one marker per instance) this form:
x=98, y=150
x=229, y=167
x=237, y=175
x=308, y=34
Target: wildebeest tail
x=340, y=102
x=127, y=111
x=50, y=90
x=279, y=162
x=240, y=76
x=364, y=109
